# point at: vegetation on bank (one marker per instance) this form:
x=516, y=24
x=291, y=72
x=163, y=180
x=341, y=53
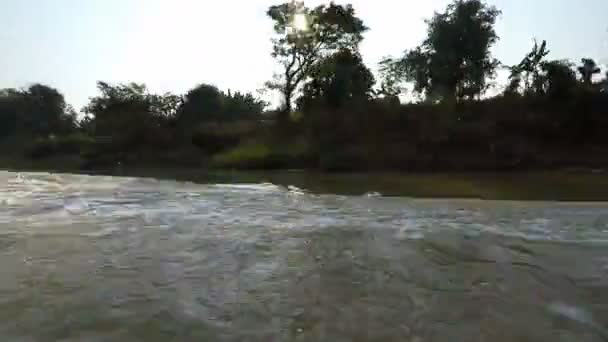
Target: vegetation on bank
x=336, y=114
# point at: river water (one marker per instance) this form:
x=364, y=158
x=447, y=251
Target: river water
x=90, y=258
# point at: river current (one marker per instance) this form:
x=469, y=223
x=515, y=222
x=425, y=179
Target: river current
x=93, y=258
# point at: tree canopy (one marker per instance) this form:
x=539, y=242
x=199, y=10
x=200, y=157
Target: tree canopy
x=454, y=61
x=206, y=103
x=588, y=69
x=344, y=119
x=303, y=36
x=37, y=110
x=339, y=80
x=529, y=70
x=557, y=79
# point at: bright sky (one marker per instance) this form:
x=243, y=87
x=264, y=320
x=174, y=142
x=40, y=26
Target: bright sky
x=172, y=45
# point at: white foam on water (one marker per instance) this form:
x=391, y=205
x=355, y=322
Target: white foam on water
x=263, y=187
x=295, y=190
x=76, y=206
x=107, y=231
x=577, y=314
x=265, y=204
x=373, y=194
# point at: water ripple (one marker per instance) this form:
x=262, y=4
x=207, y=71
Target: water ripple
x=103, y=258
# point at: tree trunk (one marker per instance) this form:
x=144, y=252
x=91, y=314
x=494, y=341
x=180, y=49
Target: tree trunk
x=283, y=115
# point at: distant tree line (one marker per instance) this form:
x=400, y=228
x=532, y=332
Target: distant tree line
x=335, y=113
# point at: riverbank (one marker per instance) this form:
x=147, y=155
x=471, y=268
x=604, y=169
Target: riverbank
x=537, y=185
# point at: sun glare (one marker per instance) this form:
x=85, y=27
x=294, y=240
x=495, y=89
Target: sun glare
x=300, y=22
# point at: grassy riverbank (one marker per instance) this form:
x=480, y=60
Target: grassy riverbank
x=537, y=185
x=556, y=185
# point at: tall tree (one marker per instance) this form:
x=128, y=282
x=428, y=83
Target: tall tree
x=588, y=69
x=339, y=80
x=391, y=76
x=206, y=103
x=242, y=106
x=557, y=79
x=46, y=107
x=129, y=114
x=514, y=84
x=303, y=36
x=531, y=67
x=202, y=103
x=11, y=106
x=37, y=110
x=454, y=61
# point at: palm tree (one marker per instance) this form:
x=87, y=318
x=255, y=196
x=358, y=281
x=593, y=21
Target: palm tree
x=588, y=69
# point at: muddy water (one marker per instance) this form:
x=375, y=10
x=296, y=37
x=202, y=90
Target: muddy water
x=87, y=258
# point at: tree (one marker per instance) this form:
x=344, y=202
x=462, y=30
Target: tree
x=202, y=103
x=558, y=79
x=46, y=107
x=588, y=69
x=391, y=78
x=514, y=84
x=238, y=106
x=454, y=61
x=339, y=80
x=206, y=103
x=529, y=71
x=303, y=36
x=165, y=105
x=129, y=115
x=117, y=108
x=531, y=67
x=11, y=105
x=39, y=110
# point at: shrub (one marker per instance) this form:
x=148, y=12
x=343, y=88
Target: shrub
x=264, y=156
x=68, y=145
x=243, y=156
x=215, y=137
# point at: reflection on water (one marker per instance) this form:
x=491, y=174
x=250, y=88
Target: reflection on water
x=111, y=259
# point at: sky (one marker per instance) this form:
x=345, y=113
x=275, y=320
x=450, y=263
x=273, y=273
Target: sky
x=173, y=45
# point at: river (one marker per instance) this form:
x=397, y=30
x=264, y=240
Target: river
x=94, y=258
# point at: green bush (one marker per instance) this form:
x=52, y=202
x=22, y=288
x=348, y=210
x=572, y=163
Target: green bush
x=265, y=156
x=243, y=156
x=69, y=145
x=216, y=137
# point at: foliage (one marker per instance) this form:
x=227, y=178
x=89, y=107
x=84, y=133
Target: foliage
x=588, y=69
x=339, y=80
x=547, y=117
x=529, y=70
x=38, y=110
x=214, y=137
x=242, y=106
x=246, y=155
x=297, y=49
x=557, y=80
x=129, y=116
x=11, y=104
x=390, y=77
x=50, y=146
x=202, y=103
x=454, y=61
x=261, y=155
x=206, y=103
